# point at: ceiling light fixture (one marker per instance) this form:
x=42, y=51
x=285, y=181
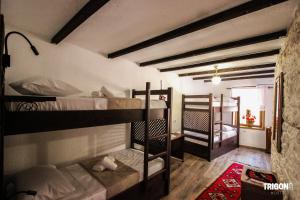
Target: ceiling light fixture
x=216, y=79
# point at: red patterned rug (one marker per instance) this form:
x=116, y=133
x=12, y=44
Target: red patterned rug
x=226, y=187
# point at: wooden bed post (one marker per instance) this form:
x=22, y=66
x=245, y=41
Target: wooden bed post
x=182, y=113
x=131, y=127
x=221, y=119
x=211, y=127
x=168, y=117
x=238, y=121
x=147, y=131
x=2, y=116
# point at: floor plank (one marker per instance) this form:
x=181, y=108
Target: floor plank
x=195, y=174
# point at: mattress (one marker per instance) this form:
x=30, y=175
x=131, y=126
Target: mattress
x=86, y=187
x=135, y=159
x=84, y=103
x=225, y=135
x=229, y=104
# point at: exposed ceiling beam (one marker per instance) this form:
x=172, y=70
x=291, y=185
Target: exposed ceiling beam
x=231, y=69
x=83, y=14
x=218, y=18
x=236, y=74
x=244, y=77
x=225, y=46
x=230, y=59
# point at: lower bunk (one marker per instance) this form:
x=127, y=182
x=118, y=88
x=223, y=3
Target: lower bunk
x=195, y=143
x=81, y=181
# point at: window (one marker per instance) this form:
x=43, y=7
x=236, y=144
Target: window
x=252, y=114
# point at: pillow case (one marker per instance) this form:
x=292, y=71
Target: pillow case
x=111, y=93
x=47, y=181
x=44, y=86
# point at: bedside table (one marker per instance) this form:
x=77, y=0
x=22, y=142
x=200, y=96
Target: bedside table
x=177, y=142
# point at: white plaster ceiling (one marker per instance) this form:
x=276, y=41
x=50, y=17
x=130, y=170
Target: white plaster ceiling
x=121, y=23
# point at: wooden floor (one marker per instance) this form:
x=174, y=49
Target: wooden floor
x=195, y=174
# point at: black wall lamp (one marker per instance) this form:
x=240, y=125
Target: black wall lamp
x=6, y=57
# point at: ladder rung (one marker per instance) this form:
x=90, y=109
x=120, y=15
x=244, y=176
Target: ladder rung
x=158, y=136
x=156, y=173
x=164, y=153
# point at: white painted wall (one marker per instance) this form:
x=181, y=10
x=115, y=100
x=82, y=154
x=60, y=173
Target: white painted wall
x=87, y=71
x=248, y=137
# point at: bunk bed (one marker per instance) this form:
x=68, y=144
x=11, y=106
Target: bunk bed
x=210, y=125
x=149, y=129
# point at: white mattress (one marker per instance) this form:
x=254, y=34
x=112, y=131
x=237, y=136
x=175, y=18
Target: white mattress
x=77, y=103
x=86, y=187
x=135, y=159
x=225, y=135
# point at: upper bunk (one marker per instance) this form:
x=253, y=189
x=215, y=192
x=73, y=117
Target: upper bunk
x=210, y=102
x=29, y=114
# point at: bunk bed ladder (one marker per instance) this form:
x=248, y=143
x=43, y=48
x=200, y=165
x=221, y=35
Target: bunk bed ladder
x=154, y=135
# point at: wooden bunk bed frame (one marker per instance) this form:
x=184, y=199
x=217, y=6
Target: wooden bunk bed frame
x=149, y=128
x=205, y=118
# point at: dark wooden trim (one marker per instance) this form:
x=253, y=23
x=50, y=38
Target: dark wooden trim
x=196, y=96
x=40, y=121
x=197, y=138
x=225, y=46
x=197, y=103
x=83, y=14
x=232, y=69
x=236, y=74
x=219, y=61
x=147, y=131
x=218, y=18
x=245, y=77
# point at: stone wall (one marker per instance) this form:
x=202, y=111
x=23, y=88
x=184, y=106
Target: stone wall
x=287, y=163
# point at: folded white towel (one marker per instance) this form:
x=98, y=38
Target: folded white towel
x=109, y=164
x=98, y=167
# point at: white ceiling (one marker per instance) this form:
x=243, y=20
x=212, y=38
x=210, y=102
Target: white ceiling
x=121, y=23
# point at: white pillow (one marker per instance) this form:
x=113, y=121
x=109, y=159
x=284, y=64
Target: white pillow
x=44, y=86
x=111, y=93
x=227, y=128
x=47, y=181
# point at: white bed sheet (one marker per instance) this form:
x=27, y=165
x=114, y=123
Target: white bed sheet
x=135, y=159
x=79, y=103
x=86, y=187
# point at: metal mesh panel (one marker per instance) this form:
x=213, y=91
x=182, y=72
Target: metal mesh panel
x=157, y=127
x=197, y=120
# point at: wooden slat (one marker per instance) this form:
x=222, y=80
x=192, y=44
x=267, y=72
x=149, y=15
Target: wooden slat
x=161, y=154
x=153, y=92
x=83, y=14
x=195, y=130
x=232, y=69
x=225, y=46
x=25, y=98
x=245, y=77
x=218, y=18
x=196, y=138
x=195, y=96
x=197, y=103
x=196, y=110
x=236, y=74
x=219, y=61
